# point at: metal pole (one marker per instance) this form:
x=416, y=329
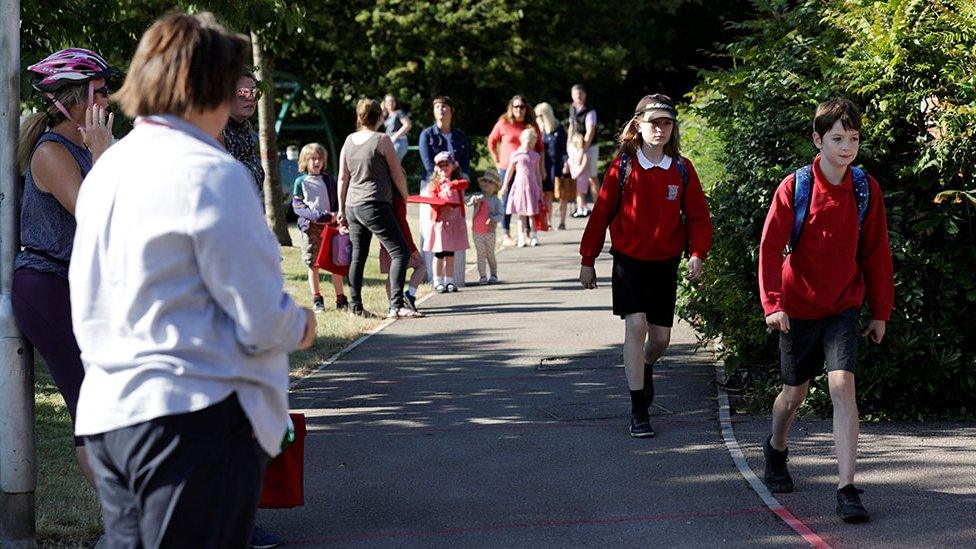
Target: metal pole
x=18, y=453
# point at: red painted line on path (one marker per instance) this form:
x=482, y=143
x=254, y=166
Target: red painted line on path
x=528, y=525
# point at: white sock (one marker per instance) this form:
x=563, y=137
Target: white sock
x=438, y=280
x=449, y=280
x=412, y=290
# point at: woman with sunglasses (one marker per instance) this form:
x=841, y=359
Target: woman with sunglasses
x=504, y=139
x=238, y=135
x=57, y=148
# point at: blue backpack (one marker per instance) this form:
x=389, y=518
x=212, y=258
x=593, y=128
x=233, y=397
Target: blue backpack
x=622, y=179
x=803, y=190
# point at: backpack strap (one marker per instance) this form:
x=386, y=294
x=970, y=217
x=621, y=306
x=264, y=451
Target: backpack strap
x=683, y=171
x=802, y=189
x=622, y=179
x=862, y=194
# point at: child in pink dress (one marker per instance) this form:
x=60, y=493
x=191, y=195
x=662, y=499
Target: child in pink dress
x=579, y=170
x=447, y=232
x=522, y=180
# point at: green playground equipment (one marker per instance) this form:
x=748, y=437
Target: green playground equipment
x=293, y=90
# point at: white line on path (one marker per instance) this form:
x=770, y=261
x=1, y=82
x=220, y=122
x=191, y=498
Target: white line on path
x=728, y=434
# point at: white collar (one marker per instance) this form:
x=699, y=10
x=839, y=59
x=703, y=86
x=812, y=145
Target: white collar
x=664, y=164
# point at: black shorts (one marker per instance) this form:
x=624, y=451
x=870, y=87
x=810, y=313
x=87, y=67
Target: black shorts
x=442, y=255
x=649, y=287
x=812, y=343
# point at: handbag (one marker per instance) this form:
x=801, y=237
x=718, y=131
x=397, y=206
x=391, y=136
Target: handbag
x=335, y=251
x=284, y=478
x=565, y=188
x=541, y=221
x=341, y=249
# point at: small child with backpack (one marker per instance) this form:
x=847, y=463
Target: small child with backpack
x=523, y=186
x=315, y=200
x=654, y=206
x=824, y=249
x=448, y=231
x=488, y=213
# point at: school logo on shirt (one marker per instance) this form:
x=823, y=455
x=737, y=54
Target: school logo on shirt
x=672, y=192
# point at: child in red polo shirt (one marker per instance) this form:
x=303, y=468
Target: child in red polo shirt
x=661, y=214
x=416, y=261
x=836, y=254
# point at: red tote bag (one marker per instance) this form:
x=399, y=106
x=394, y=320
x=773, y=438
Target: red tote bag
x=541, y=221
x=325, y=258
x=284, y=478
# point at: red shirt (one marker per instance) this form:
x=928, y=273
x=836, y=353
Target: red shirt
x=648, y=226
x=829, y=271
x=507, y=134
x=400, y=209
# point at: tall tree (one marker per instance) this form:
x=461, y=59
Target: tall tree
x=268, y=142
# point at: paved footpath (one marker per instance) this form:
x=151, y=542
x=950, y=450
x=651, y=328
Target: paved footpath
x=501, y=421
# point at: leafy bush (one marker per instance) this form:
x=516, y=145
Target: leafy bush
x=889, y=57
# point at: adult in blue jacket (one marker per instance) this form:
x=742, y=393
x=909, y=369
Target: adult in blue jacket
x=439, y=137
x=443, y=136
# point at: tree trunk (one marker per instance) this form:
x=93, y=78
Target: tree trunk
x=274, y=207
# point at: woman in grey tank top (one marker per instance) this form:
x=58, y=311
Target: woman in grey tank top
x=369, y=174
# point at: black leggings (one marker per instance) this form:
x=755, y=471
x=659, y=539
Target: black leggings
x=377, y=218
x=42, y=309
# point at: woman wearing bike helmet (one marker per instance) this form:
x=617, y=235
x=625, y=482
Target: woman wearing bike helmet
x=56, y=150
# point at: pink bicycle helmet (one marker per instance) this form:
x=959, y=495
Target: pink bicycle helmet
x=68, y=66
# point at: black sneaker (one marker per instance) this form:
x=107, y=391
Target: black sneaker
x=357, y=310
x=640, y=426
x=776, y=477
x=342, y=303
x=849, y=506
x=410, y=301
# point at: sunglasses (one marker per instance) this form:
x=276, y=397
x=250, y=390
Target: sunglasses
x=104, y=90
x=248, y=93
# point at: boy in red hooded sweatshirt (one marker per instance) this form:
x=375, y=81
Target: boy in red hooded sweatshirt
x=824, y=249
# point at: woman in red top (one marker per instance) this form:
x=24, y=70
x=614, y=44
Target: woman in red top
x=661, y=214
x=504, y=140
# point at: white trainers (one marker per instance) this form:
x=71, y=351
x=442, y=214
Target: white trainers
x=533, y=242
x=521, y=241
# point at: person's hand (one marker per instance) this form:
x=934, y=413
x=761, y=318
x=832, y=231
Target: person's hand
x=695, y=268
x=340, y=218
x=875, y=330
x=778, y=321
x=97, y=131
x=588, y=277
x=309, y=336
x=488, y=222
x=343, y=229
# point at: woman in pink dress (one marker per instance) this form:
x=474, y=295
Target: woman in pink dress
x=447, y=232
x=523, y=188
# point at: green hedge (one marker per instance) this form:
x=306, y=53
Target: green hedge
x=888, y=57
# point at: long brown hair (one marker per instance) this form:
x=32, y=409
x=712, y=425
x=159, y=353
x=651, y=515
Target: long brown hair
x=37, y=123
x=630, y=139
x=529, y=113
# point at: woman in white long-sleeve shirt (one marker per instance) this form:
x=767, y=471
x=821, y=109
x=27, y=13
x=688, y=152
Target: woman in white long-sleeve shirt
x=178, y=306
